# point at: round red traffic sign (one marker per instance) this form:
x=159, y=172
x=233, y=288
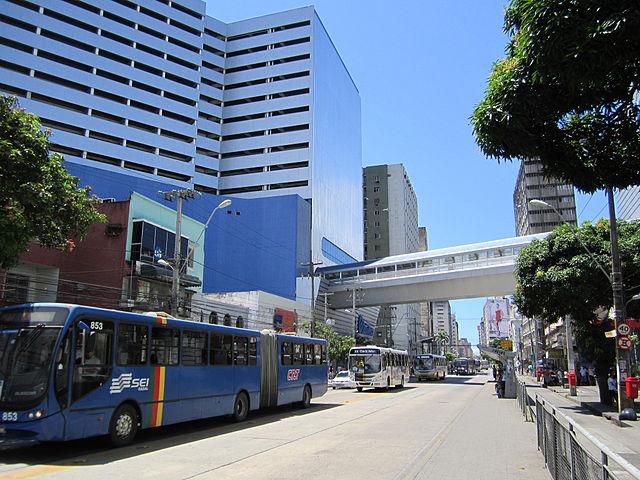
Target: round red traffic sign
x=624, y=342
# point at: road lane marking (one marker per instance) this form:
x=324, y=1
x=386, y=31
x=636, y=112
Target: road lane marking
x=34, y=472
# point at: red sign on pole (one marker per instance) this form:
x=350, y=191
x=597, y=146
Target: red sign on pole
x=624, y=342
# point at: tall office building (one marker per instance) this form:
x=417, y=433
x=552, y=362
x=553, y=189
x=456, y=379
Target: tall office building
x=530, y=185
x=628, y=203
x=160, y=91
x=441, y=318
x=391, y=228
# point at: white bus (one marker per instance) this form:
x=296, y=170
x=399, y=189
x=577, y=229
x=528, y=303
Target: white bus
x=378, y=367
x=430, y=367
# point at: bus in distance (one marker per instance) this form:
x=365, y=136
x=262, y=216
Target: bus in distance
x=378, y=367
x=70, y=372
x=430, y=367
x=464, y=366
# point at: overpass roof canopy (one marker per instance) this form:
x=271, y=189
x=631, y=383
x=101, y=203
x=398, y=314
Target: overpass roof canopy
x=494, y=246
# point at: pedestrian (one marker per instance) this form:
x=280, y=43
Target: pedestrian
x=330, y=372
x=495, y=373
x=613, y=388
x=584, y=376
x=530, y=369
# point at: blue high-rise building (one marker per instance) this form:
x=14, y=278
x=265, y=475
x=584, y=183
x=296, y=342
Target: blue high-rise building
x=158, y=91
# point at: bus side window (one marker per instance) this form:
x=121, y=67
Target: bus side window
x=217, y=354
x=194, y=348
x=286, y=353
x=131, y=348
x=308, y=350
x=240, y=350
x=165, y=346
x=253, y=351
x=317, y=354
x=298, y=354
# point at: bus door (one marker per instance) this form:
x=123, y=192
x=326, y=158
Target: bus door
x=92, y=353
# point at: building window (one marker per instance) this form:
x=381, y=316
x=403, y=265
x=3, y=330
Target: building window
x=376, y=189
x=148, y=239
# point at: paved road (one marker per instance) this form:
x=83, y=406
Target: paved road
x=456, y=429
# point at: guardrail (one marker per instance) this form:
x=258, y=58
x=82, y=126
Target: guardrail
x=565, y=456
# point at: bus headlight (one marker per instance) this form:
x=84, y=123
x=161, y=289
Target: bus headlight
x=36, y=414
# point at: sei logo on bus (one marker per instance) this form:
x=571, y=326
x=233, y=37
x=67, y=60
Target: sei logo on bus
x=293, y=374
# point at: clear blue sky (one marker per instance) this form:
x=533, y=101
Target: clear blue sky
x=421, y=67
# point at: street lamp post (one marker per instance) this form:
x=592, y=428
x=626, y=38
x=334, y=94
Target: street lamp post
x=622, y=356
x=179, y=265
x=571, y=361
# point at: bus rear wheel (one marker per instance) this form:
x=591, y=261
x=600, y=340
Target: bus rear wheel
x=240, y=408
x=306, y=397
x=123, y=426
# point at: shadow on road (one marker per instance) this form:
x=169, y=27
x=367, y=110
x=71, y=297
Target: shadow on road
x=459, y=380
x=382, y=390
x=97, y=451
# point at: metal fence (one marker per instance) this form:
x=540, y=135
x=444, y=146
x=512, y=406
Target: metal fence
x=570, y=452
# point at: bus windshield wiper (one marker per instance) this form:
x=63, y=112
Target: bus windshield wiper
x=30, y=338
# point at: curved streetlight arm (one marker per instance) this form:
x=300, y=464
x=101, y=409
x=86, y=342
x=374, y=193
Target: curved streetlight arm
x=223, y=204
x=541, y=203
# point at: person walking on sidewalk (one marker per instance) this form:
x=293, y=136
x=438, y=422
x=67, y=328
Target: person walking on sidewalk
x=613, y=388
x=584, y=376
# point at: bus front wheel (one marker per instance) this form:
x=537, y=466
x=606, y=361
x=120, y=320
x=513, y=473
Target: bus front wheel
x=123, y=426
x=241, y=408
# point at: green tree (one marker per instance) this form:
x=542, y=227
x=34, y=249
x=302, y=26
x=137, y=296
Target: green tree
x=338, y=345
x=442, y=338
x=556, y=277
x=39, y=199
x=450, y=356
x=567, y=91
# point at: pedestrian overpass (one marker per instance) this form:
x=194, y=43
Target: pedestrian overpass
x=467, y=271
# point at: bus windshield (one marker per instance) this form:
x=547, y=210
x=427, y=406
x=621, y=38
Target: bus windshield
x=424, y=363
x=367, y=363
x=27, y=339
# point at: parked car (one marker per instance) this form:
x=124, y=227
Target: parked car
x=342, y=380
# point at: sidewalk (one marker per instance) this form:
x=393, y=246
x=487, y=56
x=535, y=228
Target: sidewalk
x=585, y=410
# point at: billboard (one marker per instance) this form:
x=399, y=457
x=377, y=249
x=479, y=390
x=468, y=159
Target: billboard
x=285, y=321
x=497, y=317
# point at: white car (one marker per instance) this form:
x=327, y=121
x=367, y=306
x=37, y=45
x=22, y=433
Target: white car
x=342, y=380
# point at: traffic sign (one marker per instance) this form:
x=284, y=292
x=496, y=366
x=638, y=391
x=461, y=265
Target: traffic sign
x=624, y=342
x=624, y=329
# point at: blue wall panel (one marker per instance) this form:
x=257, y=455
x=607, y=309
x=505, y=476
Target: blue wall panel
x=259, y=245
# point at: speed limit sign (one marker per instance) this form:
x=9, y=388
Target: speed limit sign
x=624, y=329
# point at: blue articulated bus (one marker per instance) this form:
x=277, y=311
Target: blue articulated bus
x=69, y=372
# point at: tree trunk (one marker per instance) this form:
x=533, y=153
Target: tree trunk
x=602, y=373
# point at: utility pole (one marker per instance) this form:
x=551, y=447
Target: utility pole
x=571, y=357
x=355, y=315
x=622, y=356
x=175, y=284
x=326, y=294
x=311, y=264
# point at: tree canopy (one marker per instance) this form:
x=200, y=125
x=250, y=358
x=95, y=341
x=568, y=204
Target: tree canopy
x=556, y=277
x=39, y=199
x=567, y=91
x=338, y=345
